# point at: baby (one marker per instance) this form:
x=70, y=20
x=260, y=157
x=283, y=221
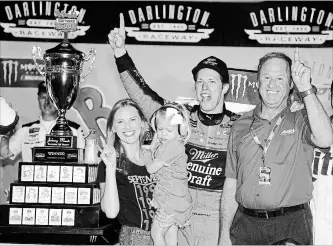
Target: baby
x=172, y=199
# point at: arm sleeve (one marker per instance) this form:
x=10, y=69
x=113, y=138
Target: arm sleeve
x=231, y=164
x=16, y=142
x=136, y=87
x=170, y=151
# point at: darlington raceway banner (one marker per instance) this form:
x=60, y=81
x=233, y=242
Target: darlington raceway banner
x=287, y=23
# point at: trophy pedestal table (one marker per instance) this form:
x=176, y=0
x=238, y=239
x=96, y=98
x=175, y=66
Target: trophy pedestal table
x=103, y=235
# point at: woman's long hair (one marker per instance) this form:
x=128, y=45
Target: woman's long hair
x=123, y=162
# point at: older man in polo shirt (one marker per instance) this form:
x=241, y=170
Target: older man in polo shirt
x=268, y=172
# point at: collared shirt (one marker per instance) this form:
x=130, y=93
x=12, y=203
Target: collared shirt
x=289, y=156
x=33, y=135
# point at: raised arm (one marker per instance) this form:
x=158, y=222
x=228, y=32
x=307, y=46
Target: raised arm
x=109, y=195
x=320, y=124
x=136, y=87
x=109, y=190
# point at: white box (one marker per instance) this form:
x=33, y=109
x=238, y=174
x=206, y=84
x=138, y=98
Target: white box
x=28, y=216
x=68, y=216
x=42, y=216
x=55, y=216
x=15, y=216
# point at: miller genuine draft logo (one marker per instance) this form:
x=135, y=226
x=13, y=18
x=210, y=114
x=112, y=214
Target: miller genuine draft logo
x=291, y=25
x=37, y=19
x=169, y=23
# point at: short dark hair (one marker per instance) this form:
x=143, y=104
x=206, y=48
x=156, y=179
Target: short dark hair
x=271, y=55
x=41, y=88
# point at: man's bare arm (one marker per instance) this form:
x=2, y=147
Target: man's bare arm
x=229, y=207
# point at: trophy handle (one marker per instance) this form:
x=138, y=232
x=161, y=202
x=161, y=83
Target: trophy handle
x=39, y=56
x=92, y=51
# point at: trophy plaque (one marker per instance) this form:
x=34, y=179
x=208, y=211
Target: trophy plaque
x=63, y=75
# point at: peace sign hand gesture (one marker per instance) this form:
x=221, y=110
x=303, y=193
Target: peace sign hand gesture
x=301, y=74
x=108, y=153
x=117, y=36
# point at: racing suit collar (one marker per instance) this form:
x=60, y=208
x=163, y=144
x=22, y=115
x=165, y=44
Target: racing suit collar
x=210, y=119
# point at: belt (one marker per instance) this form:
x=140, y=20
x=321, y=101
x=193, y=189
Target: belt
x=272, y=213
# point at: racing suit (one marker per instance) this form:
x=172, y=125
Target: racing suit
x=33, y=135
x=206, y=151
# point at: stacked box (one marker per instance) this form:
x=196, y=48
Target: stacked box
x=55, y=189
x=50, y=215
x=87, y=194
x=55, y=172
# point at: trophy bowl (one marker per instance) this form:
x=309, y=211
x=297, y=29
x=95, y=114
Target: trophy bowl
x=63, y=71
x=63, y=75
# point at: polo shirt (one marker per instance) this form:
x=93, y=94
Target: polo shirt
x=289, y=156
x=33, y=134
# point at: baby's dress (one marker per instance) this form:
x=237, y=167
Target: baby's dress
x=172, y=198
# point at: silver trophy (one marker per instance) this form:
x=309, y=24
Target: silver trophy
x=63, y=71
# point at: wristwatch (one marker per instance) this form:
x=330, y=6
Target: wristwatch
x=308, y=92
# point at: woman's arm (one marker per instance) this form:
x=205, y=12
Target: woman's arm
x=155, y=165
x=109, y=189
x=109, y=194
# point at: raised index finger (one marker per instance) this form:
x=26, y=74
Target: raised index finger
x=121, y=23
x=296, y=54
x=110, y=139
x=103, y=141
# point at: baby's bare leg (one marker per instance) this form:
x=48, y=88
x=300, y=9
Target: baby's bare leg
x=158, y=233
x=171, y=235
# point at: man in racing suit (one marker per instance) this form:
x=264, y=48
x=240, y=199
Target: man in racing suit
x=33, y=134
x=210, y=124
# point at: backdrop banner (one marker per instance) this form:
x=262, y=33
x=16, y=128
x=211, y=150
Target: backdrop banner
x=281, y=23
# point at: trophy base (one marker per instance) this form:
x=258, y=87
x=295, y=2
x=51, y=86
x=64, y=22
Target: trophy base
x=60, y=141
x=56, y=154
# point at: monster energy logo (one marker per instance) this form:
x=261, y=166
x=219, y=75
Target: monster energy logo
x=9, y=67
x=239, y=83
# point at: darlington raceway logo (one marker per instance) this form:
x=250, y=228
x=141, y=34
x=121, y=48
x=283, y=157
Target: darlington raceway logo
x=291, y=25
x=169, y=23
x=37, y=20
